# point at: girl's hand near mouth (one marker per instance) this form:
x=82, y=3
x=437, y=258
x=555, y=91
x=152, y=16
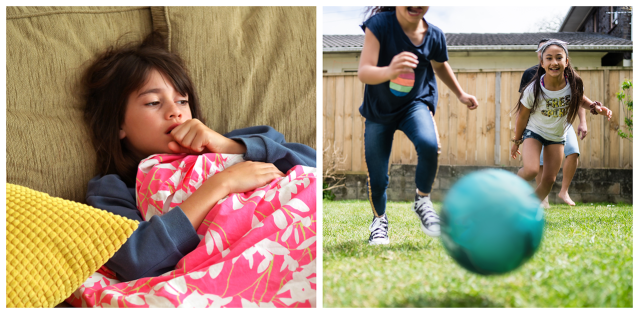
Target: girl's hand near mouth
x=193, y=137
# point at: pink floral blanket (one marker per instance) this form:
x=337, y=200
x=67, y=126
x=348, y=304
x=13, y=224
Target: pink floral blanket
x=257, y=249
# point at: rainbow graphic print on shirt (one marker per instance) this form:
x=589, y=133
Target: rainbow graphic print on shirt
x=402, y=85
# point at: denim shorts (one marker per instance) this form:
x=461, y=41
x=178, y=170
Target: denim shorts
x=571, y=146
x=544, y=142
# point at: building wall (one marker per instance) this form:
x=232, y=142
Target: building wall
x=462, y=60
x=600, y=18
x=588, y=185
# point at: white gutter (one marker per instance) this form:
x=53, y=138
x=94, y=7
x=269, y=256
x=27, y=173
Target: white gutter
x=501, y=48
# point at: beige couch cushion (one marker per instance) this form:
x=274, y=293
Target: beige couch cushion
x=250, y=65
x=48, y=145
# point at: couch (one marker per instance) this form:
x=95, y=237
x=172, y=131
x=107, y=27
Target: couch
x=250, y=66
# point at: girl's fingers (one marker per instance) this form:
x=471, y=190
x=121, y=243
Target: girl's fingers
x=178, y=149
x=409, y=54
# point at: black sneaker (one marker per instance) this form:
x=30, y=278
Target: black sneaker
x=428, y=218
x=379, y=231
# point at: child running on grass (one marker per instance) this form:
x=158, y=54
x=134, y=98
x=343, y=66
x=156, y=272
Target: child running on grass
x=545, y=109
x=571, y=148
x=401, y=54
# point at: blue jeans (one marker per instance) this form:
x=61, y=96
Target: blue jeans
x=419, y=126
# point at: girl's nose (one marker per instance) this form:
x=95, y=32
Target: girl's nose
x=173, y=111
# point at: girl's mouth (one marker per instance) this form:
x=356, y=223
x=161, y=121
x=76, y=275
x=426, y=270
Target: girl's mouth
x=173, y=126
x=415, y=11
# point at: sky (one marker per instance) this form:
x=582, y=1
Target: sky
x=465, y=19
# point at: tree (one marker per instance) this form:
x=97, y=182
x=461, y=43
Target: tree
x=548, y=24
x=627, y=108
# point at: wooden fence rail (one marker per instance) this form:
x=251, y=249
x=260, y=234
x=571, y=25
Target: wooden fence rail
x=480, y=137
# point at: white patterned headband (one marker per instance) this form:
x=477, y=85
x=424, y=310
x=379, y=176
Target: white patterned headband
x=555, y=42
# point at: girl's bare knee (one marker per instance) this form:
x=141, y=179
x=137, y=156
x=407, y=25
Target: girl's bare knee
x=530, y=173
x=548, y=180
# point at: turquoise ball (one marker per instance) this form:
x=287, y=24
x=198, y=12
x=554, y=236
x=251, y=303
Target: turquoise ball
x=491, y=222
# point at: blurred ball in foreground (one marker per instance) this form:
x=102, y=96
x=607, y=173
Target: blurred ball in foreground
x=491, y=221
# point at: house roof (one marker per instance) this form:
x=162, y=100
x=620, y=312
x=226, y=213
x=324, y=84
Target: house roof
x=499, y=41
x=575, y=18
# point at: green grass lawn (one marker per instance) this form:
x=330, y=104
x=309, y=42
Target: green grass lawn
x=585, y=260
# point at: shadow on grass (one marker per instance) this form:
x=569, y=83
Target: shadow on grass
x=348, y=247
x=450, y=300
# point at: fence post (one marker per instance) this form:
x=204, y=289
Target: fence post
x=497, y=117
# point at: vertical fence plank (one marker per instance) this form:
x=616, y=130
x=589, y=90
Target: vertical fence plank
x=630, y=149
x=627, y=145
x=442, y=119
x=472, y=125
x=329, y=113
x=490, y=119
x=606, y=124
x=586, y=149
x=453, y=109
x=358, y=131
x=462, y=124
x=339, y=115
x=505, y=119
x=596, y=83
x=612, y=103
x=480, y=118
x=348, y=122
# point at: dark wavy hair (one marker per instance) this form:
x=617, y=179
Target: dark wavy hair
x=107, y=84
x=576, y=89
x=370, y=11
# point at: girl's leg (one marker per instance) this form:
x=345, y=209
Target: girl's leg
x=544, y=203
x=530, y=154
x=378, y=141
x=553, y=155
x=419, y=126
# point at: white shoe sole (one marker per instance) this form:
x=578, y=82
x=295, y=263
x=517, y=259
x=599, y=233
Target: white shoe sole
x=378, y=241
x=433, y=234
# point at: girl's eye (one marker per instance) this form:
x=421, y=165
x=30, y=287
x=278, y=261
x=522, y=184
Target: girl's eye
x=153, y=103
x=183, y=102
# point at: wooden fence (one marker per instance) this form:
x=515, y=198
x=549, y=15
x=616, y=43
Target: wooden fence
x=479, y=137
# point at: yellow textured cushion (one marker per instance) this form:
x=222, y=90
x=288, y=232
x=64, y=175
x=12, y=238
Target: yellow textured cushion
x=54, y=245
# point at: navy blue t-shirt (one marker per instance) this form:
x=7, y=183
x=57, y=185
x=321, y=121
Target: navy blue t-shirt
x=383, y=105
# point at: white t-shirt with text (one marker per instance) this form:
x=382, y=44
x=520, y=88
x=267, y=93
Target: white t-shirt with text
x=549, y=119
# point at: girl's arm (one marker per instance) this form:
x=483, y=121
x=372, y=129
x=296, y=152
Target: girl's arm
x=241, y=177
x=520, y=126
x=258, y=143
x=597, y=106
x=265, y=144
x=582, y=129
x=156, y=246
x=445, y=73
x=369, y=73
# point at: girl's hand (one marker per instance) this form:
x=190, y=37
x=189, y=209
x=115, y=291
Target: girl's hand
x=193, y=137
x=605, y=111
x=247, y=175
x=403, y=62
x=514, y=151
x=582, y=130
x=468, y=100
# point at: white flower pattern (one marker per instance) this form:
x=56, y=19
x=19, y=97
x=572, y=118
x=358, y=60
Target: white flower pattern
x=246, y=238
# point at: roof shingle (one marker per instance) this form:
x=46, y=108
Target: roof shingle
x=355, y=42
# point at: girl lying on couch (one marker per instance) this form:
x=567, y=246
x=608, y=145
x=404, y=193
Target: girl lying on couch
x=198, y=244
